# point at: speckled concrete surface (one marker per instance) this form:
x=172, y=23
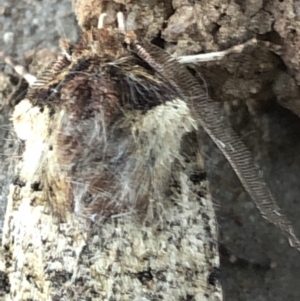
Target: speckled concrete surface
x=261, y=265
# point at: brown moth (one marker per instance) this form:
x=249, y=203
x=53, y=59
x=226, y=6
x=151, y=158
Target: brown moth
x=108, y=134
x=122, y=84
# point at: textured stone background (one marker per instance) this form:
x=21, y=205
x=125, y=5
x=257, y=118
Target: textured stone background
x=253, y=86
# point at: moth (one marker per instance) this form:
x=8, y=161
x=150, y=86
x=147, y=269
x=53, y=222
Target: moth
x=106, y=198
x=107, y=137
x=109, y=82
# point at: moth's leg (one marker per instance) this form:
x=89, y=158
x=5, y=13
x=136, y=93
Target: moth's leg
x=218, y=55
x=214, y=56
x=20, y=70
